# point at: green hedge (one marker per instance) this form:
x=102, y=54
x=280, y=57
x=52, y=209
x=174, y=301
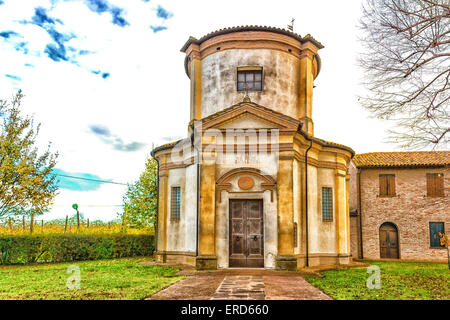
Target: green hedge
x=72, y=247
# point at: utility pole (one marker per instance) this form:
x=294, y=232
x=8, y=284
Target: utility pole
x=75, y=206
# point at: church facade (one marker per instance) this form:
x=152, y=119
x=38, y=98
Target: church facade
x=250, y=185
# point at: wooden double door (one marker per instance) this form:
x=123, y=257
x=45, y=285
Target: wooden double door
x=388, y=241
x=246, y=233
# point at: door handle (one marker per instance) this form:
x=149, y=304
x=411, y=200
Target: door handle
x=255, y=238
x=237, y=238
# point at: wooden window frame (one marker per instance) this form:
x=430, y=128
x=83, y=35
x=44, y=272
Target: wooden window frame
x=329, y=215
x=429, y=229
x=253, y=70
x=387, y=188
x=435, y=185
x=175, y=204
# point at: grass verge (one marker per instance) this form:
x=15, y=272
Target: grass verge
x=102, y=279
x=399, y=281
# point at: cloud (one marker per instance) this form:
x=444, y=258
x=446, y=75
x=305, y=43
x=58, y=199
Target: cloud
x=115, y=141
x=56, y=53
x=100, y=130
x=29, y=65
x=104, y=75
x=1, y=2
x=118, y=19
x=163, y=13
x=98, y=6
x=17, y=78
x=74, y=184
x=41, y=17
x=158, y=28
x=101, y=6
x=8, y=34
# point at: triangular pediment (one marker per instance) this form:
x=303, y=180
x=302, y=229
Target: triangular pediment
x=247, y=115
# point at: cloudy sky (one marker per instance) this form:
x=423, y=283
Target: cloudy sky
x=105, y=78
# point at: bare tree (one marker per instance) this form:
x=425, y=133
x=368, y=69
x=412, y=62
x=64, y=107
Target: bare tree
x=407, y=69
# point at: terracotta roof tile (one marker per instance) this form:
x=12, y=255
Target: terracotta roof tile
x=210, y=35
x=403, y=159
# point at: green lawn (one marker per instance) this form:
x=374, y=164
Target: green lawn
x=103, y=279
x=399, y=281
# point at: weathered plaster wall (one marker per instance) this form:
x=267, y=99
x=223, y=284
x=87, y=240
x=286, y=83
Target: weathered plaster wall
x=280, y=76
x=297, y=204
x=190, y=199
x=324, y=231
x=176, y=228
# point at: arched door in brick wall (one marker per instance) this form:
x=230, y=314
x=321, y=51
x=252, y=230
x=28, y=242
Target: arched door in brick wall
x=388, y=241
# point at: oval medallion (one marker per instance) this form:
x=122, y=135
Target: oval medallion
x=246, y=183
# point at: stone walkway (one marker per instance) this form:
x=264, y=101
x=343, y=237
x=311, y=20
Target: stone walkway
x=240, y=288
x=242, y=285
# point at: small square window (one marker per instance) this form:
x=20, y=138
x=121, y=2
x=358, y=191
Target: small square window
x=327, y=204
x=175, y=203
x=250, y=80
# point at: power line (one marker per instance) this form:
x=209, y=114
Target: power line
x=90, y=205
x=88, y=179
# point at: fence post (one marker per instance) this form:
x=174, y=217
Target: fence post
x=10, y=223
x=88, y=223
x=31, y=223
x=78, y=220
x=65, y=226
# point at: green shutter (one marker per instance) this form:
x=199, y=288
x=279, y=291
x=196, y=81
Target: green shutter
x=435, y=228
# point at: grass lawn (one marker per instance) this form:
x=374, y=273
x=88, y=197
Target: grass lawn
x=102, y=279
x=399, y=281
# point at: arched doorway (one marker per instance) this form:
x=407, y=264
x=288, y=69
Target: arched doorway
x=388, y=241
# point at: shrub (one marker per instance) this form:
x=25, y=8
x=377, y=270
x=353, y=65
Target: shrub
x=72, y=247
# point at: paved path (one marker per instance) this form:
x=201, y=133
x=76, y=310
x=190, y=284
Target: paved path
x=242, y=285
x=240, y=288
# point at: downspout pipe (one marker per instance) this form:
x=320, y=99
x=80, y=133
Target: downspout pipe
x=306, y=204
x=157, y=207
x=198, y=193
x=299, y=130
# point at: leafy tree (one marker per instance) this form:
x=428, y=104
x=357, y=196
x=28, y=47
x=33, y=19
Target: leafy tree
x=140, y=199
x=406, y=67
x=27, y=185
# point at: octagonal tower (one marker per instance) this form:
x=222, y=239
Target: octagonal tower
x=286, y=63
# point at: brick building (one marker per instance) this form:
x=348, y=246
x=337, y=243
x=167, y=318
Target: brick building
x=399, y=203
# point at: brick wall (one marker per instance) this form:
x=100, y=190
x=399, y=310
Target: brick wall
x=410, y=210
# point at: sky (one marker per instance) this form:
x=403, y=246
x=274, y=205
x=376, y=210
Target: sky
x=106, y=80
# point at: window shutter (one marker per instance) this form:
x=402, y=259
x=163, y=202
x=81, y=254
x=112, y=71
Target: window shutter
x=435, y=228
x=391, y=185
x=439, y=185
x=383, y=185
x=435, y=185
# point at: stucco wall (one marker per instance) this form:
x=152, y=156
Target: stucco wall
x=280, y=76
x=410, y=210
x=181, y=234
x=322, y=234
